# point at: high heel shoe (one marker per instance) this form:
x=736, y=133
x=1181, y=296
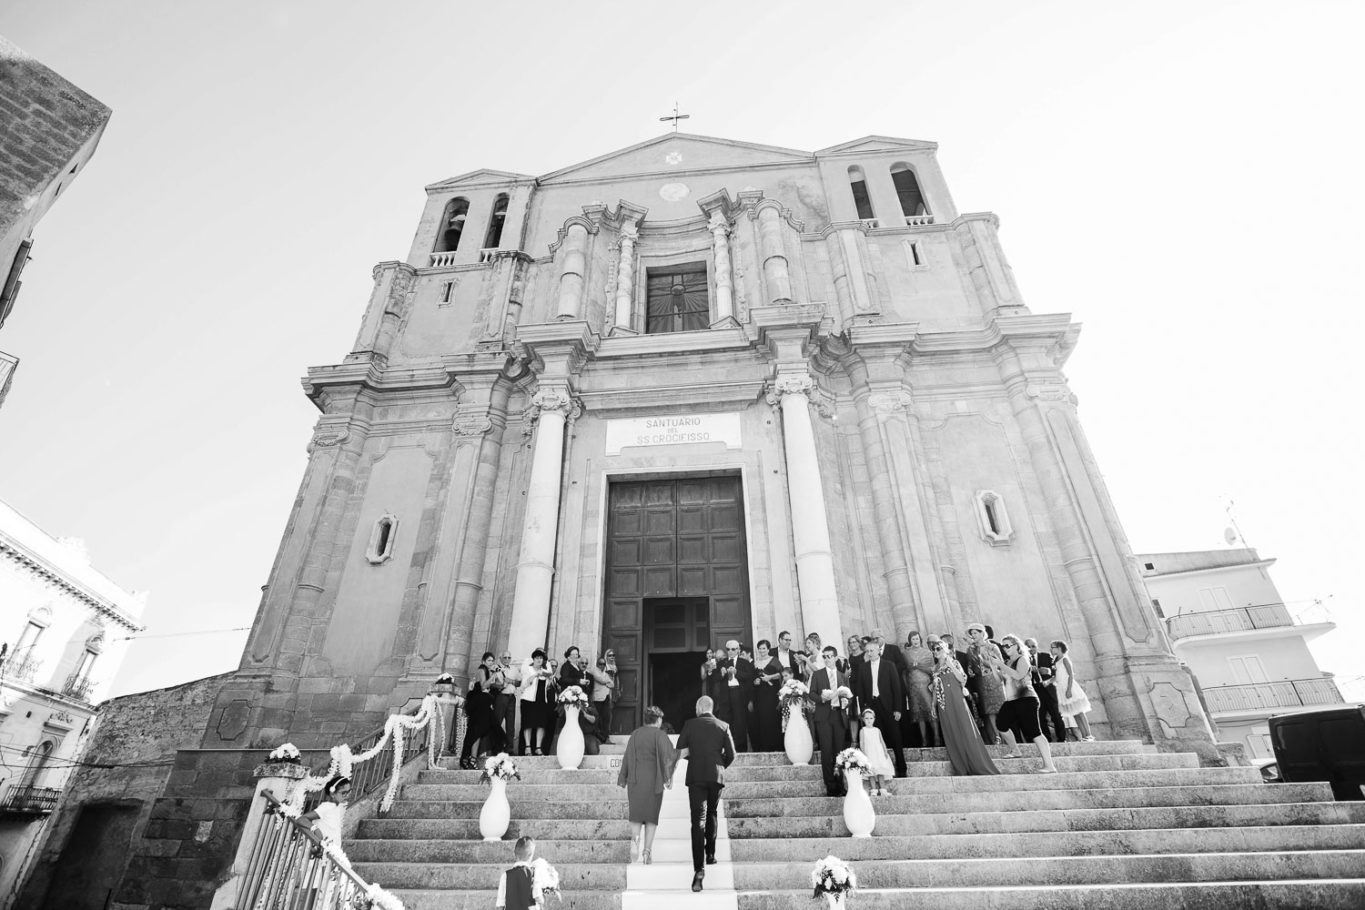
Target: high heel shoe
x=646, y=858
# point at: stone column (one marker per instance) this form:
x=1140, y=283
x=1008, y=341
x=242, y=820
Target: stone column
x=805, y=493
x=720, y=244
x=625, y=279
x=535, y=569
x=571, y=274
x=775, y=270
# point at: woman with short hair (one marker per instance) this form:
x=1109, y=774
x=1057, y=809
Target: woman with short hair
x=646, y=771
x=537, y=705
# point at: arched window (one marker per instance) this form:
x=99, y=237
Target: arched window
x=992, y=518
x=907, y=188
x=452, y=225
x=857, y=181
x=494, y=235
x=38, y=756
x=381, y=539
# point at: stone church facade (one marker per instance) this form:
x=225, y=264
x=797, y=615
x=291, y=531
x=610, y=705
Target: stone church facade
x=690, y=390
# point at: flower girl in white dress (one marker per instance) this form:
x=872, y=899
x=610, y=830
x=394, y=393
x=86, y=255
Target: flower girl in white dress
x=874, y=747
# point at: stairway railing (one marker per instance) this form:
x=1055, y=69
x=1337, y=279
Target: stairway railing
x=292, y=869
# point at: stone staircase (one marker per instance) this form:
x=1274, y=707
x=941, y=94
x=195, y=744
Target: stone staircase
x=1120, y=826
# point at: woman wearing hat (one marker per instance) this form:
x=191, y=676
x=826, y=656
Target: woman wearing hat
x=985, y=677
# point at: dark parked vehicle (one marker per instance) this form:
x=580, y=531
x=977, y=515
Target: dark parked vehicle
x=1327, y=745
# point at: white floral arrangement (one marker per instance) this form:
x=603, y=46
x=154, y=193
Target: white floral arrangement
x=287, y=754
x=833, y=876
x=573, y=697
x=793, y=690
x=500, y=766
x=445, y=679
x=844, y=695
x=852, y=760
x=544, y=879
x=382, y=900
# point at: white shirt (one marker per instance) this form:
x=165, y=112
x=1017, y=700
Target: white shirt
x=875, y=666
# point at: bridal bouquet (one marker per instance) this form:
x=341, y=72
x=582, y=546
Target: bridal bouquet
x=500, y=766
x=833, y=876
x=852, y=760
x=544, y=879
x=573, y=697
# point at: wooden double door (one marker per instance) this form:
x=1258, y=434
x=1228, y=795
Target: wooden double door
x=677, y=582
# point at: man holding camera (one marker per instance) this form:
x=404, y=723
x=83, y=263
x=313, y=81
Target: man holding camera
x=730, y=684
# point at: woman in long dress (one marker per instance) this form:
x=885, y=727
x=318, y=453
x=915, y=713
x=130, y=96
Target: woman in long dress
x=919, y=662
x=767, y=728
x=990, y=688
x=966, y=753
x=1071, y=698
x=478, y=707
x=646, y=771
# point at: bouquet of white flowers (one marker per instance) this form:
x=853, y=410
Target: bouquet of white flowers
x=833, y=876
x=500, y=766
x=852, y=760
x=544, y=879
x=287, y=754
x=793, y=691
x=574, y=696
x=843, y=695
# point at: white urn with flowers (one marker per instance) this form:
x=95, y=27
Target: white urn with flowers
x=833, y=879
x=794, y=697
x=496, y=813
x=859, y=816
x=569, y=746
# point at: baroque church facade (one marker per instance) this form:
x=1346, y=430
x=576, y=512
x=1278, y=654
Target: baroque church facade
x=692, y=390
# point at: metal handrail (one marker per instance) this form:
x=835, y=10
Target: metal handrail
x=1271, y=694
x=1238, y=619
x=31, y=799
x=290, y=868
x=367, y=778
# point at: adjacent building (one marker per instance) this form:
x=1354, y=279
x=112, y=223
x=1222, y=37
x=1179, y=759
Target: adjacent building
x=1248, y=649
x=61, y=622
x=50, y=131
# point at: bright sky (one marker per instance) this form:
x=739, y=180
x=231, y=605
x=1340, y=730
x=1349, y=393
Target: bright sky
x=1184, y=178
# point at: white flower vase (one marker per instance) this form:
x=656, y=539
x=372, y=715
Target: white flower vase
x=859, y=815
x=836, y=901
x=569, y=746
x=796, y=741
x=496, y=813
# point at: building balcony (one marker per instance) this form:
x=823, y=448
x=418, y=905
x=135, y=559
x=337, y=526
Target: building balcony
x=8, y=364
x=79, y=687
x=29, y=800
x=1272, y=697
x=23, y=667
x=1219, y=622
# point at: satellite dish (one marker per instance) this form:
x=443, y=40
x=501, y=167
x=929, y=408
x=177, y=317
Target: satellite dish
x=1230, y=535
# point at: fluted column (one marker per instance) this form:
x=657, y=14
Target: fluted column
x=805, y=493
x=625, y=277
x=776, y=272
x=571, y=274
x=720, y=244
x=535, y=569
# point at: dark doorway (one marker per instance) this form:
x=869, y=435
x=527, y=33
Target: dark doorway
x=677, y=575
x=675, y=686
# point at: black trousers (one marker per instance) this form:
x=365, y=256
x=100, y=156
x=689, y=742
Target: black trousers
x=1049, y=715
x=703, y=800
x=736, y=714
x=891, y=732
x=830, y=736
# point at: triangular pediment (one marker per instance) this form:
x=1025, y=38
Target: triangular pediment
x=674, y=152
x=876, y=144
x=481, y=177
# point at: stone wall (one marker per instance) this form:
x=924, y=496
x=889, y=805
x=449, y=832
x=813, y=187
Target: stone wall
x=127, y=762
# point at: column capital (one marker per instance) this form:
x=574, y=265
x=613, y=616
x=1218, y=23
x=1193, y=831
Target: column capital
x=886, y=403
x=557, y=399
x=790, y=384
x=719, y=224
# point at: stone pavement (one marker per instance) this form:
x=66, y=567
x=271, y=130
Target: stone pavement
x=1121, y=826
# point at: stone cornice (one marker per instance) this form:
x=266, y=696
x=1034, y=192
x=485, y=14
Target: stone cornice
x=52, y=575
x=700, y=397
x=370, y=376
x=701, y=341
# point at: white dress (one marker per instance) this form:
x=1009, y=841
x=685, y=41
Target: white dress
x=1078, y=703
x=874, y=747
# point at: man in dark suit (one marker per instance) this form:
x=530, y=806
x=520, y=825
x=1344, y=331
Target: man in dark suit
x=830, y=721
x=731, y=687
x=1048, y=713
x=880, y=689
x=706, y=744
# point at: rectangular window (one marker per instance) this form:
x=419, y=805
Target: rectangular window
x=677, y=299
x=1215, y=598
x=914, y=256
x=1247, y=669
x=447, y=291
x=29, y=638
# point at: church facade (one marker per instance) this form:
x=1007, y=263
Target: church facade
x=692, y=390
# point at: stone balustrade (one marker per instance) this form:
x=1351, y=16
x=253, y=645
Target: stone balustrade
x=1262, y=696
x=442, y=260
x=918, y=220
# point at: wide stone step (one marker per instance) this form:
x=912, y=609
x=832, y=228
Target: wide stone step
x=1071, y=870
x=1304, y=894
x=1078, y=780
x=1029, y=764
x=482, y=900
x=603, y=776
x=522, y=807
x=1098, y=820
x=500, y=853
x=515, y=789
x=1100, y=747
x=463, y=877
x=803, y=799
x=468, y=829
x=1269, y=838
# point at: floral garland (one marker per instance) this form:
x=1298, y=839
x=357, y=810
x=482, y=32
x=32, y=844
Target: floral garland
x=500, y=766
x=852, y=760
x=833, y=876
x=381, y=899
x=573, y=697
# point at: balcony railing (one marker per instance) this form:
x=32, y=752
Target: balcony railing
x=1262, y=696
x=487, y=254
x=1241, y=619
x=441, y=260
x=917, y=220
x=78, y=686
x=30, y=800
x=22, y=667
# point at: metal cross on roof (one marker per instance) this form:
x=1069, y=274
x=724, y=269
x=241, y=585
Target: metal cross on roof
x=676, y=117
